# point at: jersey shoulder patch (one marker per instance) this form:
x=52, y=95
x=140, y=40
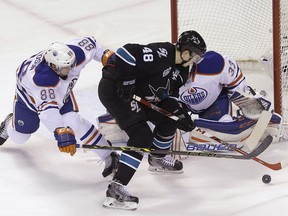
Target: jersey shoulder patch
x=80, y=55
x=125, y=55
x=45, y=76
x=213, y=63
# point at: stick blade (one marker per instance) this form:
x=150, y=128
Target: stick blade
x=258, y=130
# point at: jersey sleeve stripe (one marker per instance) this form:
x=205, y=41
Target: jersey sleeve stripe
x=237, y=80
x=48, y=105
x=88, y=132
x=235, y=86
x=126, y=56
x=22, y=97
x=92, y=41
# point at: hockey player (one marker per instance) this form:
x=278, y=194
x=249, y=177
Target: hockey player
x=154, y=72
x=213, y=84
x=44, y=93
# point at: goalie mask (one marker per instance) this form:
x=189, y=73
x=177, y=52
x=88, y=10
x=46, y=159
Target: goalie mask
x=60, y=58
x=194, y=43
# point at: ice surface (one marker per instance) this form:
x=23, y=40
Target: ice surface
x=36, y=179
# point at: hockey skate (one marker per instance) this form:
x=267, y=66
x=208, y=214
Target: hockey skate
x=3, y=129
x=111, y=164
x=118, y=197
x=165, y=164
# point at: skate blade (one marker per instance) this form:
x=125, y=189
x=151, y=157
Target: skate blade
x=163, y=170
x=114, y=204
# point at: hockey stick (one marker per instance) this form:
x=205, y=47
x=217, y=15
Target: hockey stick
x=261, y=124
x=175, y=118
x=266, y=142
x=260, y=127
x=276, y=166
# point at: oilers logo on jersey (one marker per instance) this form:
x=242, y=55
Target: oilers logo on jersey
x=195, y=95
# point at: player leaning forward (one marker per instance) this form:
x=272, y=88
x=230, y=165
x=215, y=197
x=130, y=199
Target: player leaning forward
x=44, y=93
x=154, y=72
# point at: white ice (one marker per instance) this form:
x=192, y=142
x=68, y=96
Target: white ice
x=36, y=179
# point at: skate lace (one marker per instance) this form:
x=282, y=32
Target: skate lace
x=168, y=160
x=122, y=189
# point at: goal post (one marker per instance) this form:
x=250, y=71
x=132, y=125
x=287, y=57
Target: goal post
x=254, y=33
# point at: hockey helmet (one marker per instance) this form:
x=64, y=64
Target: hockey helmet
x=191, y=41
x=58, y=56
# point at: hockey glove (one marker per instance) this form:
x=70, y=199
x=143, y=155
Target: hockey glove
x=250, y=105
x=126, y=89
x=66, y=140
x=184, y=122
x=108, y=58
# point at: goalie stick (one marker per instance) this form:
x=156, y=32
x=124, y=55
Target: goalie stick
x=260, y=148
x=276, y=166
x=260, y=128
x=262, y=122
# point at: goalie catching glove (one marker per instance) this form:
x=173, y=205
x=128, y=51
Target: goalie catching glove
x=250, y=105
x=65, y=137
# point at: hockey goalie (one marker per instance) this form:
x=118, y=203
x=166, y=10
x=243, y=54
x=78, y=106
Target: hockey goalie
x=216, y=92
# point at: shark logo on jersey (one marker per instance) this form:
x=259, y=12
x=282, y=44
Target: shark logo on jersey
x=195, y=95
x=159, y=93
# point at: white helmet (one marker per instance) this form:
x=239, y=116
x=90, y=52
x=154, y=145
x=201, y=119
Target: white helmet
x=59, y=55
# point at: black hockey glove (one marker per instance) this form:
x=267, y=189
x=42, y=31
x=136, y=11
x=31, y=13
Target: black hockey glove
x=184, y=122
x=126, y=89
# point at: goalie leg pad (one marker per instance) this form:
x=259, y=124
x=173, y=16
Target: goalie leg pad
x=233, y=131
x=111, y=131
x=236, y=126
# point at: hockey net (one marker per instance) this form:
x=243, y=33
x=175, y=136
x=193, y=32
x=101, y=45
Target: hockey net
x=255, y=33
